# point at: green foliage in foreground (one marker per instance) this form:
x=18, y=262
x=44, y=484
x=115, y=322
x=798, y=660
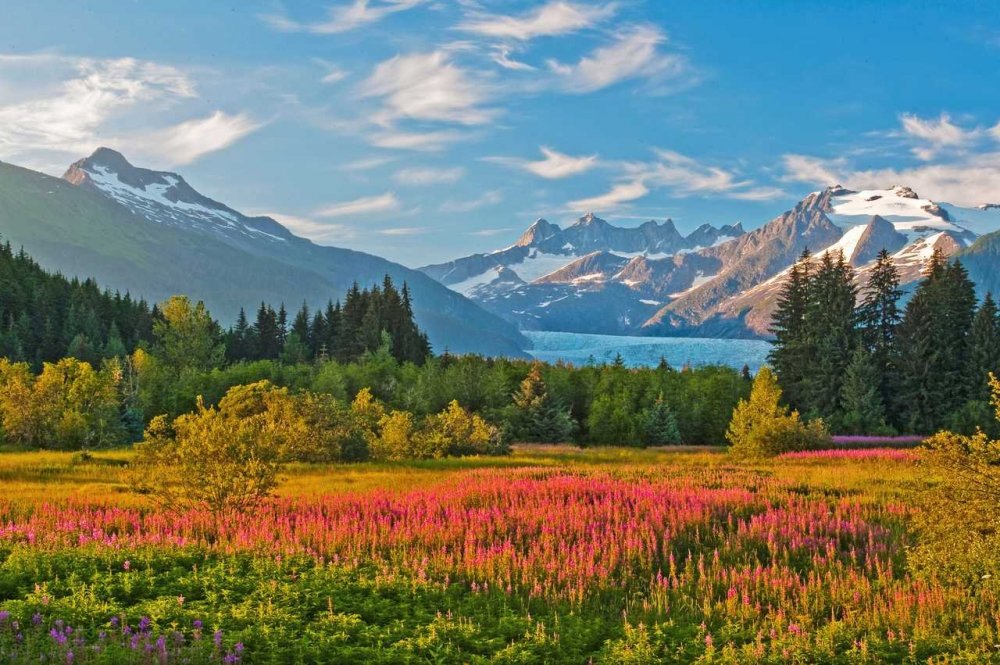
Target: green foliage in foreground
x=762, y=427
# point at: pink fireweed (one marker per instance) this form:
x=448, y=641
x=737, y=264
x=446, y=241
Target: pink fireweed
x=889, y=454
x=716, y=544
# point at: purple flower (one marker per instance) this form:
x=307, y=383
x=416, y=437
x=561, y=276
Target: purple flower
x=197, y=624
x=238, y=648
x=36, y=619
x=4, y=615
x=218, y=639
x=114, y=622
x=144, y=624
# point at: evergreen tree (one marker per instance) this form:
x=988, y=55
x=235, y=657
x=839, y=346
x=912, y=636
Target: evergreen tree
x=831, y=334
x=984, y=350
x=863, y=411
x=239, y=341
x=536, y=416
x=266, y=335
x=659, y=424
x=792, y=353
x=879, y=318
x=302, y=329
x=934, y=347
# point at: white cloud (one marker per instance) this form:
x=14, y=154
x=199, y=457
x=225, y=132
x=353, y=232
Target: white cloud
x=312, y=229
x=502, y=57
x=803, y=168
x=938, y=134
x=187, y=141
x=428, y=176
x=429, y=87
x=68, y=103
x=633, y=53
x=555, y=164
x=619, y=194
x=367, y=204
x=343, y=18
x=334, y=74
x=489, y=233
x=403, y=231
x=553, y=18
x=681, y=176
x=421, y=141
x=487, y=199
x=367, y=163
x=969, y=180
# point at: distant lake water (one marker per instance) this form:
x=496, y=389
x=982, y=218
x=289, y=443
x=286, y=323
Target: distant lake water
x=581, y=349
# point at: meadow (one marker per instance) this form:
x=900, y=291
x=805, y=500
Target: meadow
x=551, y=554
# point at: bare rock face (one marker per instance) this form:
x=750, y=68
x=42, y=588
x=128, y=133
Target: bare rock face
x=878, y=235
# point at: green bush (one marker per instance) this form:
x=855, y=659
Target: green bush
x=762, y=427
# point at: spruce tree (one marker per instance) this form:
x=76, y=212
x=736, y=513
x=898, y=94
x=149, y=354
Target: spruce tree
x=831, y=334
x=659, y=424
x=863, y=409
x=984, y=350
x=879, y=317
x=536, y=415
x=791, y=353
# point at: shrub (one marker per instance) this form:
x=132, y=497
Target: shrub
x=960, y=516
x=207, y=459
x=762, y=427
x=457, y=431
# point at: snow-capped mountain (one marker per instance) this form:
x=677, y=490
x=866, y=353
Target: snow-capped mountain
x=588, y=277
x=716, y=282
x=151, y=233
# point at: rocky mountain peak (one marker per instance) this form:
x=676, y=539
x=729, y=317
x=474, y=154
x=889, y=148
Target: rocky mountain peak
x=539, y=231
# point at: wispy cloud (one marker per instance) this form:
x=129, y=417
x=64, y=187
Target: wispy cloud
x=489, y=233
x=342, y=18
x=490, y=198
x=681, y=176
x=962, y=164
x=970, y=180
x=621, y=193
x=365, y=205
x=428, y=176
x=427, y=87
x=367, y=163
x=310, y=228
x=633, y=53
x=403, y=231
x=555, y=165
x=187, y=141
x=502, y=57
x=937, y=134
x=432, y=141
x=552, y=18
x=70, y=106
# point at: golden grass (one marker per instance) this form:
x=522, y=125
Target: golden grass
x=36, y=477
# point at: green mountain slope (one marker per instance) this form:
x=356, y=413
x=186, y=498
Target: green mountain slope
x=81, y=232
x=982, y=260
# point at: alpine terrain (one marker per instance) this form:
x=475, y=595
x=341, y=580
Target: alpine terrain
x=593, y=277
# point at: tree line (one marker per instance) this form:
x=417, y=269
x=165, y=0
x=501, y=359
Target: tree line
x=868, y=364
x=45, y=317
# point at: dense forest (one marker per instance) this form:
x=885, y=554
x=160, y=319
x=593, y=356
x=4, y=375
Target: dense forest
x=865, y=363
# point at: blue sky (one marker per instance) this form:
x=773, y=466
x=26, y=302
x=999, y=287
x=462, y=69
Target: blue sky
x=423, y=130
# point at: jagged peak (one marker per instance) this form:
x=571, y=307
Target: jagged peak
x=541, y=229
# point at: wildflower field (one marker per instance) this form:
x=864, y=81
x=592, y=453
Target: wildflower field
x=549, y=555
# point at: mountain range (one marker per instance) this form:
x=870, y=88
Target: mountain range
x=152, y=234
x=594, y=277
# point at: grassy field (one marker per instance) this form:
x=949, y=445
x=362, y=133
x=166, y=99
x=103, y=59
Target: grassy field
x=550, y=555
